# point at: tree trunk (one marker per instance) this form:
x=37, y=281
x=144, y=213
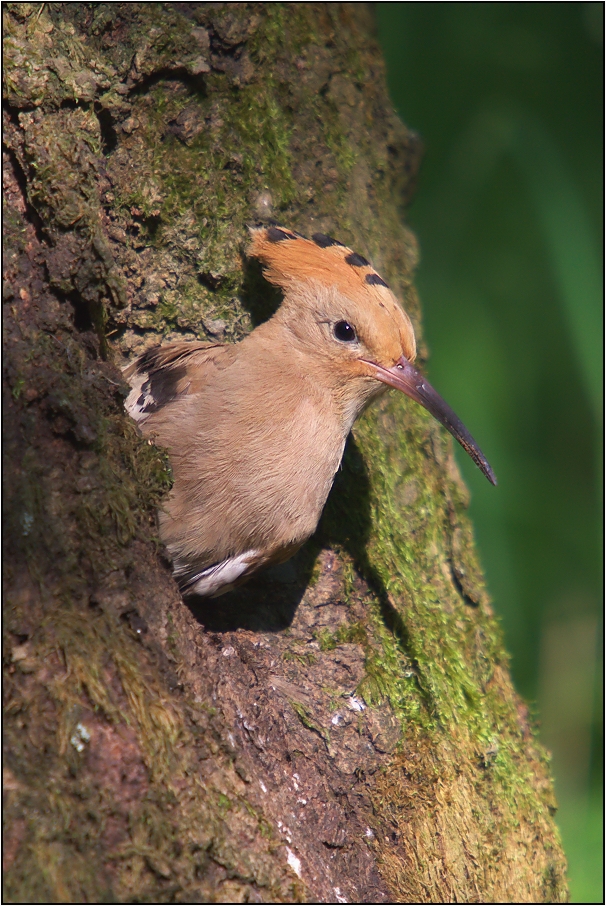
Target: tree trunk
x=343, y=728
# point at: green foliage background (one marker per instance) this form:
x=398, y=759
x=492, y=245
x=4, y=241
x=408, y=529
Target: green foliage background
x=508, y=100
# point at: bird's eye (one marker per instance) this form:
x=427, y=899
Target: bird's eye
x=344, y=332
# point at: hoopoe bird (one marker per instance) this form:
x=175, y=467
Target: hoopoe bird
x=255, y=430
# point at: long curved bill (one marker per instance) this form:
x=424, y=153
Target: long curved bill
x=411, y=382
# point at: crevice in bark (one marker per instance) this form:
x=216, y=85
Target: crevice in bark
x=194, y=83
x=109, y=137
x=30, y=212
x=459, y=586
x=259, y=298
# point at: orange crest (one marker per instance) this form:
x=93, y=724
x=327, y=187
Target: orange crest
x=290, y=259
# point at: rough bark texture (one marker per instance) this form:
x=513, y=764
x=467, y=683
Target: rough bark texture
x=344, y=728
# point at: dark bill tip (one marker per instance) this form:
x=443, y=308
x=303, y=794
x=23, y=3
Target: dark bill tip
x=411, y=382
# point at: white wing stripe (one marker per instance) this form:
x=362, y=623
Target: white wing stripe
x=220, y=577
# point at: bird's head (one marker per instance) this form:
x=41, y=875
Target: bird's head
x=343, y=315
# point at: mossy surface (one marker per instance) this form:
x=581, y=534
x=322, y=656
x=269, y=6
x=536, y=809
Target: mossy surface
x=143, y=142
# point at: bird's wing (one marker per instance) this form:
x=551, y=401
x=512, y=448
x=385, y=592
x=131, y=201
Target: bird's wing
x=218, y=578
x=166, y=373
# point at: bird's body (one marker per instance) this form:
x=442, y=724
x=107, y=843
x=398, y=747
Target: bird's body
x=255, y=430
x=248, y=481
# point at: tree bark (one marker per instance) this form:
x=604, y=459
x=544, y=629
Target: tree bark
x=344, y=728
